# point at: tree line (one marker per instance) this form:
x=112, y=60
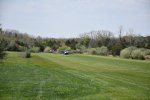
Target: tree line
x=13, y=40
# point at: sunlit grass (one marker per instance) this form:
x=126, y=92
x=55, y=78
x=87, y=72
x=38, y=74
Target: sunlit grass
x=81, y=77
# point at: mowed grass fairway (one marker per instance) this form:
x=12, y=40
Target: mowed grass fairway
x=73, y=77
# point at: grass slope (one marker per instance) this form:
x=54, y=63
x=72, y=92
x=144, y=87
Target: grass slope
x=73, y=77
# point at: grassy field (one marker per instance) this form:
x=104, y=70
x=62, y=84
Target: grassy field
x=73, y=77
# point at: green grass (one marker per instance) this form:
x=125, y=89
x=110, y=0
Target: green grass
x=73, y=77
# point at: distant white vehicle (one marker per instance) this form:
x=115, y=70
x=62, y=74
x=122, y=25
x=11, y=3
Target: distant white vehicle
x=66, y=53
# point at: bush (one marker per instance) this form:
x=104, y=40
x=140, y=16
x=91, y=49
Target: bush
x=26, y=54
x=147, y=52
x=138, y=54
x=126, y=53
x=147, y=57
x=135, y=53
x=116, y=49
x=80, y=49
x=22, y=48
x=2, y=53
x=63, y=48
x=92, y=51
x=35, y=49
x=102, y=51
x=47, y=50
x=2, y=50
x=83, y=49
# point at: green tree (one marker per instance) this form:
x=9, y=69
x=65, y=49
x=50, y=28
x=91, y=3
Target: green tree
x=115, y=50
x=2, y=46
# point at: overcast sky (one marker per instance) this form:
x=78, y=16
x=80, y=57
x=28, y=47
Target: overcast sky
x=69, y=18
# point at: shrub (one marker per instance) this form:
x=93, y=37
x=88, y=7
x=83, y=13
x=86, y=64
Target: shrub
x=138, y=54
x=80, y=49
x=26, y=54
x=2, y=53
x=22, y=48
x=126, y=53
x=92, y=51
x=35, y=49
x=63, y=48
x=102, y=51
x=147, y=52
x=147, y=57
x=83, y=49
x=47, y=50
x=2, y=50
x=116, y=49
